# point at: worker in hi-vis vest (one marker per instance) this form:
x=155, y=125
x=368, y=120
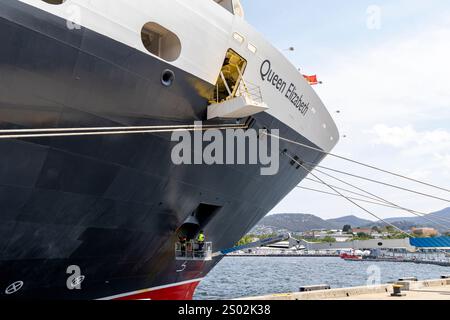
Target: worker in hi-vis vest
x=201, y=240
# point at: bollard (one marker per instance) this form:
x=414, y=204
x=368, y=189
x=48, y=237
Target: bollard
x=408, y=279
x=398, y=291
x=315, y=288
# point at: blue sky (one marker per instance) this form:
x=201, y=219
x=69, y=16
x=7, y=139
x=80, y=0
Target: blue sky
x=385, y=66
x=316, y=27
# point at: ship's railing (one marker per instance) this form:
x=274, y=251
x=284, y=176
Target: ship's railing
x=241, y=89
x=249, y=90
x=191, y=251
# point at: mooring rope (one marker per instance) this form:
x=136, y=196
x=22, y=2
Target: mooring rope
x=359, y=163
x=99, y=131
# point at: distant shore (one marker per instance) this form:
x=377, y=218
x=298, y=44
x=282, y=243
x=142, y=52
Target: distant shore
x=285, y=255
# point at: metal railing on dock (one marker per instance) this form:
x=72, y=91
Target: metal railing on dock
x=423, y=257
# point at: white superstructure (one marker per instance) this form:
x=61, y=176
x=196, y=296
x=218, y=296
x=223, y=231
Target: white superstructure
x=207, y=29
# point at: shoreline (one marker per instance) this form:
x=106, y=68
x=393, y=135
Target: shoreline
x=435, y=289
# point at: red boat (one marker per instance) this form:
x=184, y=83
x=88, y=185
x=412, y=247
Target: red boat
x=351, y=257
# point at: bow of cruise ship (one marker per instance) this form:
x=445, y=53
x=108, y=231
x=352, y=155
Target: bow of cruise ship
x=92, y=204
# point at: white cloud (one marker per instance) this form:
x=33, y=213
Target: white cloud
x=394, y=136
x=394, y=100
x=403, y=80
x=420, y=174
x=401, y=137
x=430, y=148
x=445, y=160
x=385, y=95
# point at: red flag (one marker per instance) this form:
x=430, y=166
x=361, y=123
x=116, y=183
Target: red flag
x=312, y=80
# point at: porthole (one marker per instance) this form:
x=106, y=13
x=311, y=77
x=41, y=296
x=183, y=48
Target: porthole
x=167, y=77
x=54, y=1
x=238, y=37
x=160, y=41
x=252, y=48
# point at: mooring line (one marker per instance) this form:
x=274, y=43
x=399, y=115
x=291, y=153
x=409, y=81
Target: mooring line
x=103, y=131
x=359, y=163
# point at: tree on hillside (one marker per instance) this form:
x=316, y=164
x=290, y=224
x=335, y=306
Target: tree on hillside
x=267, y=236
x=347, y=228
x=397, y=235
x=329, y=240
x=390, y=229
x=363, y=236
x=376, y=229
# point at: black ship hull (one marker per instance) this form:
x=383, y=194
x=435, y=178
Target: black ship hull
x=109, y=205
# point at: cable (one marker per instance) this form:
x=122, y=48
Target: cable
x=353, y=202
x=8, y=131
x=337, y=195
x=346, y=190
x=418, y=214
x=120, y=131
x=359, y=163
x=381, y=183
x=390, y=204
x=360, y=177
x=347, y=198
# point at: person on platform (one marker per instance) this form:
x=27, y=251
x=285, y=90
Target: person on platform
x=183, y=241
x=201, y=241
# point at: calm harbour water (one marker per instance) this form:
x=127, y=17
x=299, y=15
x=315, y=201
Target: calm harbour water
x=236, y=277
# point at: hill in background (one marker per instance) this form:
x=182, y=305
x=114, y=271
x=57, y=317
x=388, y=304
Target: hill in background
x=298, y=222
x=350, y=220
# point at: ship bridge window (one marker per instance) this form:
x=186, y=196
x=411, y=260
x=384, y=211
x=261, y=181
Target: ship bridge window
x=233, y=6
x=54, y=1
x=161, y=42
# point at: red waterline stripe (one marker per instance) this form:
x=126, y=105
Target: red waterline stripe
x=176, y=291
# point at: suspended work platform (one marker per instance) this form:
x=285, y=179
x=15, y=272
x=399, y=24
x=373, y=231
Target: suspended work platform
x=244, y=102
x=236, y=108
x=193, y=251
x=235, y=98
